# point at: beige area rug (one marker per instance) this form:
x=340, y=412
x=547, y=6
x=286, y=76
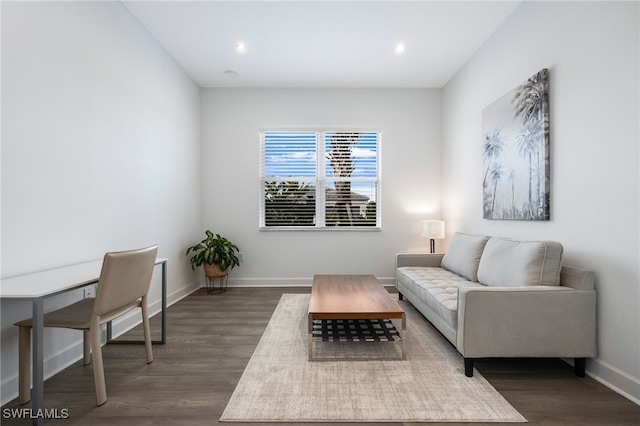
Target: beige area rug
x=280, y=384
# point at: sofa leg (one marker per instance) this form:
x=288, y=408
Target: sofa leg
x=468, y=367
x=400, y=296
x=579, y=366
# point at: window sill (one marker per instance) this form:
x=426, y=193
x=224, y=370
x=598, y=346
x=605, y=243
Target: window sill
x=314, y=229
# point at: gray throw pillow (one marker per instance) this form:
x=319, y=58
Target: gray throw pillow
x=463, y=255
x=506, y=262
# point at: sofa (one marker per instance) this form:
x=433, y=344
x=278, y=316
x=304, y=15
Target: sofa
x=495, y=297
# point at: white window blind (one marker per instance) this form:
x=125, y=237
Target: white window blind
x=320, y=180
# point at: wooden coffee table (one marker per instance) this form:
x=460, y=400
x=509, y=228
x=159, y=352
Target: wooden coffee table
x=351, y=297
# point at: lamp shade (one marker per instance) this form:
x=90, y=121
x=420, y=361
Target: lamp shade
x=433, y=229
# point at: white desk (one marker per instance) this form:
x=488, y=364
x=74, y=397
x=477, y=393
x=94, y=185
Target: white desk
x=38, y=286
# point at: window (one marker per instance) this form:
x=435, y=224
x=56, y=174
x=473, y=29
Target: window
x=320, y=180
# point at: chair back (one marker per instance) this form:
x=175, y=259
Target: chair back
x=125, y=277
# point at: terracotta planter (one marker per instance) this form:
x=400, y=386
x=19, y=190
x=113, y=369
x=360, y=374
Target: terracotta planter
x=213, y=271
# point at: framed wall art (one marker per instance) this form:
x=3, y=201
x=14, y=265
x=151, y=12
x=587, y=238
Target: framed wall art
x=515, y=150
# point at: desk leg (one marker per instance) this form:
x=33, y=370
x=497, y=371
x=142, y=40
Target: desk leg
x=37, y=391
x=164, y=303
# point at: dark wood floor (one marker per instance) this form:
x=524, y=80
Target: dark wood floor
x=210, y=340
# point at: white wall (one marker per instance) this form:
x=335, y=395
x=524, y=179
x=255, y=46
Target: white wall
x=100, y=152
x=410, y=123
x=591, y=50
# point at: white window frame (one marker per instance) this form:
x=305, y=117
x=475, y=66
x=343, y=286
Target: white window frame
x=320, y=180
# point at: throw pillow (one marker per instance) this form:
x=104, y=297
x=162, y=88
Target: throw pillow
x=506, y=262
x=463, y=255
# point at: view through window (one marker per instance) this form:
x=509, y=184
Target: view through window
x=320, y=180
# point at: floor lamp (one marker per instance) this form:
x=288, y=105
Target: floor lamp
x=433, y=229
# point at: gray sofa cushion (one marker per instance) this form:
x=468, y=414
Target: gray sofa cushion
x=507, y=262
x=437, y=288
x=463, y=255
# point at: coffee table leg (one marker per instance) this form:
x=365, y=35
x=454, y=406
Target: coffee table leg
x=310, y=350
x=404, y=334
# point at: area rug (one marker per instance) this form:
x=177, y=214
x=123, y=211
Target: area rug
x=279, y=384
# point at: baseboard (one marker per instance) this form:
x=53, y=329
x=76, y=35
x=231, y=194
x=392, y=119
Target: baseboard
x=615, y=379
x=287, y=282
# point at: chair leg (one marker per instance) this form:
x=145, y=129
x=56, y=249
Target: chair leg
x=147, y=329
x=98, y=367
x=86, y=347
x=24, y=364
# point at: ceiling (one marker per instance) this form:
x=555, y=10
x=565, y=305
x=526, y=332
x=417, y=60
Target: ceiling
x=313, y=44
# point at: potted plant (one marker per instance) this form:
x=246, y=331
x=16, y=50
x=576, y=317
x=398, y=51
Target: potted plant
x=216, y=253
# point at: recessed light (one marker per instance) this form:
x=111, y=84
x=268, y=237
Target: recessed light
x=230, y=73
x=241, y=48
x=399, y=48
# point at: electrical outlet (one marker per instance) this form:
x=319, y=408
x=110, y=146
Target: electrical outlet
x=240, y=256
x=90, y=291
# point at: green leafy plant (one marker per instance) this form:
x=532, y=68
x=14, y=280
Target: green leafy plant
x=214, y=250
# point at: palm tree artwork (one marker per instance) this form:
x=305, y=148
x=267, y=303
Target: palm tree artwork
x=515, y=146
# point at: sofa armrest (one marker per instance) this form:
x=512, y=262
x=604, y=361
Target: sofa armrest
x=418, y=259
x=541, y=321
x=578, y=278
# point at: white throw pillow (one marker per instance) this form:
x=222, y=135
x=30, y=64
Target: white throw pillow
x=507, y=262
x=463, y=255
